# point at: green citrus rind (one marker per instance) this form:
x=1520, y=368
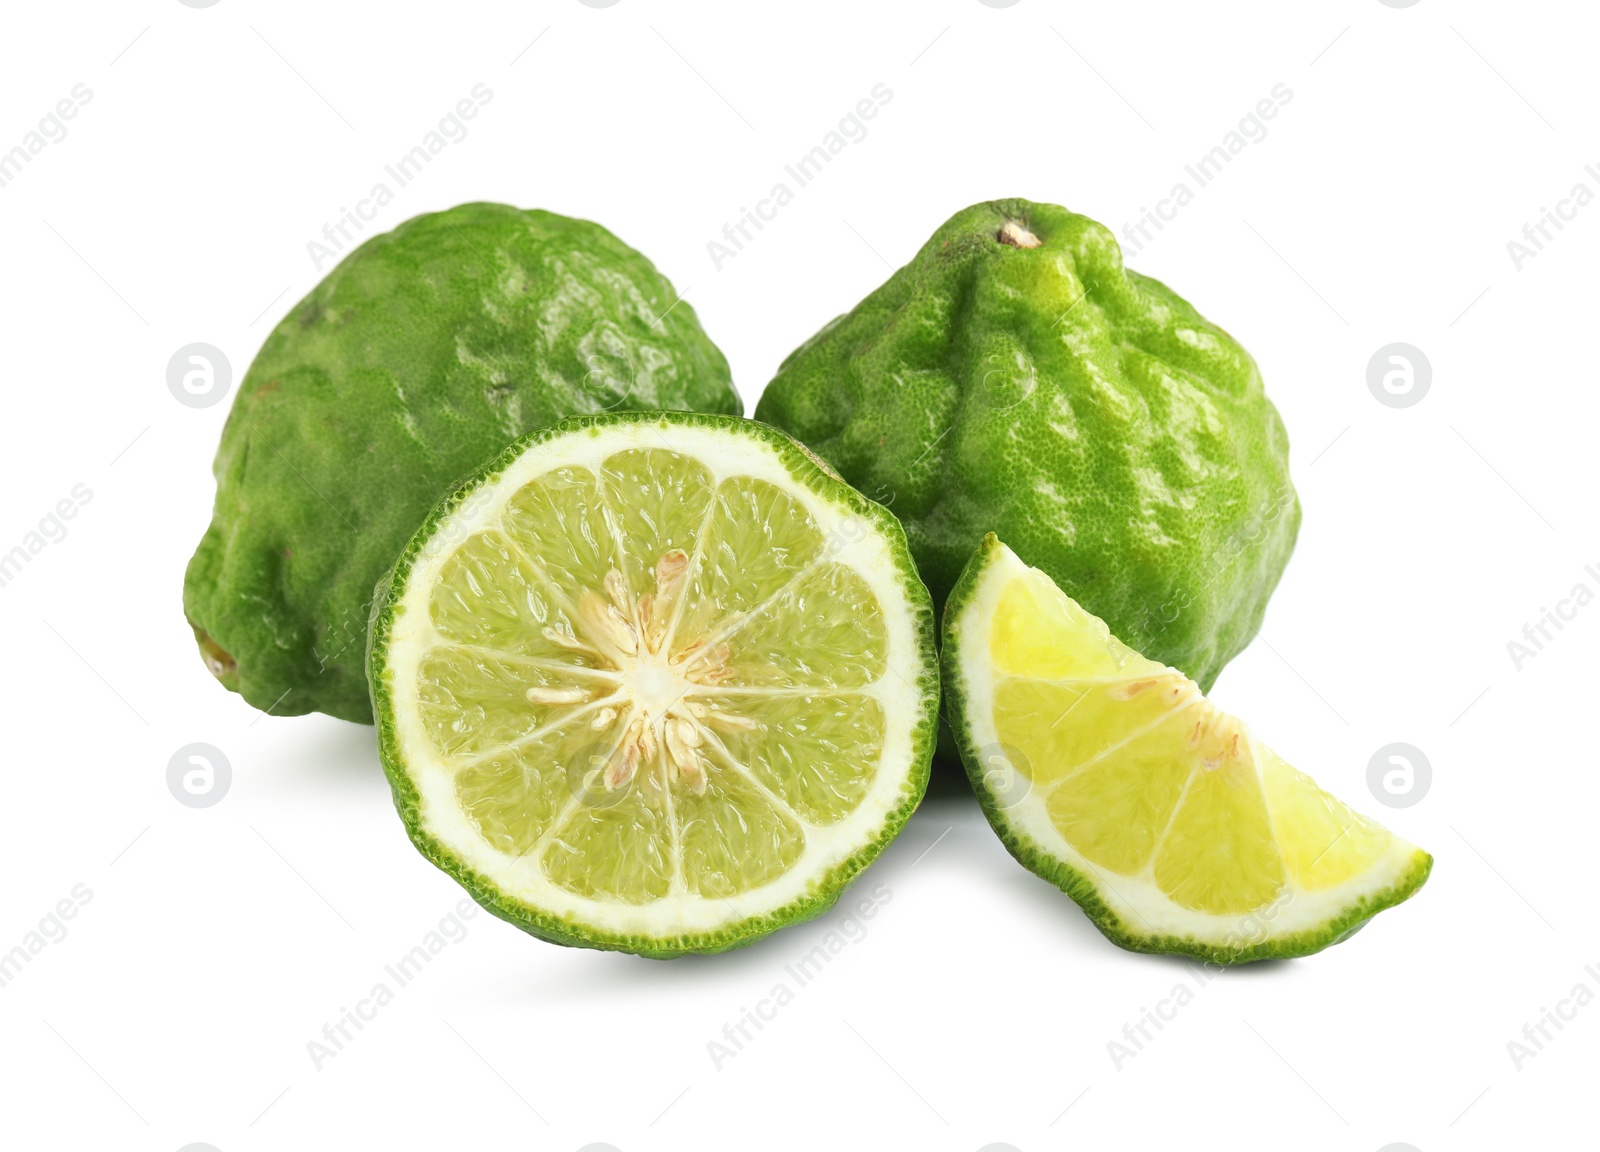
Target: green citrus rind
x=1036, y=387
x=1039, y=860
x=414, y=360
x=825, y=889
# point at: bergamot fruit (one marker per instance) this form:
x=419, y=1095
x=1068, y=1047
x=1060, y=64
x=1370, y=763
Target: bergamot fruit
x=655, y=682
x=1113, y=777
x=416, y=359
x=1015, y=378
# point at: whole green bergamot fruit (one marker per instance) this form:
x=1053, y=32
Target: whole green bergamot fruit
x=418, y=358
x=1014, y=378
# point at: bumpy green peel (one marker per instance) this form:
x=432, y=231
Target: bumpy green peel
x=1015, y=378
x=415, y=360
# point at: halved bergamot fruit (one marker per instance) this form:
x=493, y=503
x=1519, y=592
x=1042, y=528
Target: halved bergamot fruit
x=1114, y=778
x=655, y=682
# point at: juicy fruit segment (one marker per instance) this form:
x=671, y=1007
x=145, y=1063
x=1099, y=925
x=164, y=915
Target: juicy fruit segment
x=1115, y=810
x=1030, y=621
x=1309, y=817
x=647, y=681
x=1219, y=855
x=623, y=851
x=791, y=750
x=1085, y=718
x=735, y=838
x=1160, y=813
x=654, y=646
x=1138, y=771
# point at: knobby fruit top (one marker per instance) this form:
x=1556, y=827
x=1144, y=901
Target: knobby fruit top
x=413, y=362
x=1172, y=825
x=1015, y=378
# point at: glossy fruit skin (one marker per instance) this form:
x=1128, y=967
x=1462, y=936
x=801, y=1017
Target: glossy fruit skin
x=1015, y=378
x=418, y=358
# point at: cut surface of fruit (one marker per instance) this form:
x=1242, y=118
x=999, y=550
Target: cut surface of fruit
x=655, y=682
x=1113, y=777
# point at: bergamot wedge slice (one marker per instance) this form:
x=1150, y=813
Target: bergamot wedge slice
x=1114, y=778
x=655, y=682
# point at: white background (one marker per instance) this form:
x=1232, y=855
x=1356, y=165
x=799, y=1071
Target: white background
x=978, y=1006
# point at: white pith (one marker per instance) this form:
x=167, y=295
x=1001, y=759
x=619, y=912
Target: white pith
x=1144, y=909
x=650, y=681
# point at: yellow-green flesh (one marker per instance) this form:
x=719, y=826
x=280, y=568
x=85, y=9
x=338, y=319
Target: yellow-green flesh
x=786, y=734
